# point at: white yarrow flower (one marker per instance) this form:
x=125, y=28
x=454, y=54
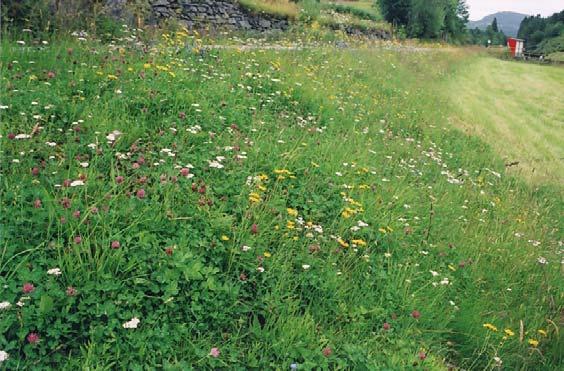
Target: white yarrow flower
x=215, y=164
x=3, y=356
x=132, y=324
x=54, y=272
x=5, y=305
x=76, y=183
x=114, y=135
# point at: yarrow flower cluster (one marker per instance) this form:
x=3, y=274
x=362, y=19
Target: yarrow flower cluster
x=133, y=323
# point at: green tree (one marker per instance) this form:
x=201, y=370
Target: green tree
x=426, y=18
x=543, y=35
x=456, y=18
x=494, y=25
x=395, y=11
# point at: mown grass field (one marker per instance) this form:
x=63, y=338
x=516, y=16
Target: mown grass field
x=519, y=110
x=164, y=207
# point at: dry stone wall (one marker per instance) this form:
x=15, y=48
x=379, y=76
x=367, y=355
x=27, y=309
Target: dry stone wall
x=215, y=15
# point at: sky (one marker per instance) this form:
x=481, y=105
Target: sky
x=481, y=8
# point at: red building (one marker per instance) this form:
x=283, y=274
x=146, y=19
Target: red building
x=516, y=47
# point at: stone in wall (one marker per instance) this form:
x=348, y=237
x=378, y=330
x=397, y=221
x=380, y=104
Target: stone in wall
x=215, y=15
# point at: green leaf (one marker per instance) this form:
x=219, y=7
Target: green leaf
x=46, y=304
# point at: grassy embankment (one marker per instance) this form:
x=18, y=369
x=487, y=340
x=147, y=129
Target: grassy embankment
x=518, y=109
x=311, y=207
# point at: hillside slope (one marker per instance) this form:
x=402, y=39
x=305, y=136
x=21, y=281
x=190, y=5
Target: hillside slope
x=165, y=207
x=508, y=22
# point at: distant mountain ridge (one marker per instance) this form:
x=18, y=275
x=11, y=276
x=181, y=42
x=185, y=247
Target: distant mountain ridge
x=508, y=22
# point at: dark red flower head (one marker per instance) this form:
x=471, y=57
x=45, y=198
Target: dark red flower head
x=33, y=338
x=28, y=288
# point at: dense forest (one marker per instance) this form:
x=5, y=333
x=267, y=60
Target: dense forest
x=492, y=35
x=427, y=19
x=543, y=35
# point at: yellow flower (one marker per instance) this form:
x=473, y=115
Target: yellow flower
x=542, y=332
x=292, y=212
x=382, y=230
x=254, y=197
x=282, y=172
x=347, y=213
x=261, y=187
x=267, y=254
x=290, y=224
x=534, y=343
x=508, y=332
x=112, y=77
x=490, y=327
x=224, y=238
x=342, y=242
x=359, y=242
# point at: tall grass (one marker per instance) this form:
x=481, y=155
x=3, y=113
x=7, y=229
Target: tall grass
x=261, y=209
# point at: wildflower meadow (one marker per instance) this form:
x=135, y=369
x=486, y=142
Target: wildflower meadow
x=166, y=204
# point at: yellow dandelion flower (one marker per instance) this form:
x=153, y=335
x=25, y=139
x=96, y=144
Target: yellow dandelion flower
x=290, y=224
x=282, y=172
x=267, y=254
x=542, y=332
x=292, y=212
x=342, y=242
x=382, y=230
x=261, y=187
x=347, y=213
x=224, y=238
x=254, y=197
x=112, y=77
x=490, y=327
x=508, y=332
x=359, y=242
x=534, y=343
